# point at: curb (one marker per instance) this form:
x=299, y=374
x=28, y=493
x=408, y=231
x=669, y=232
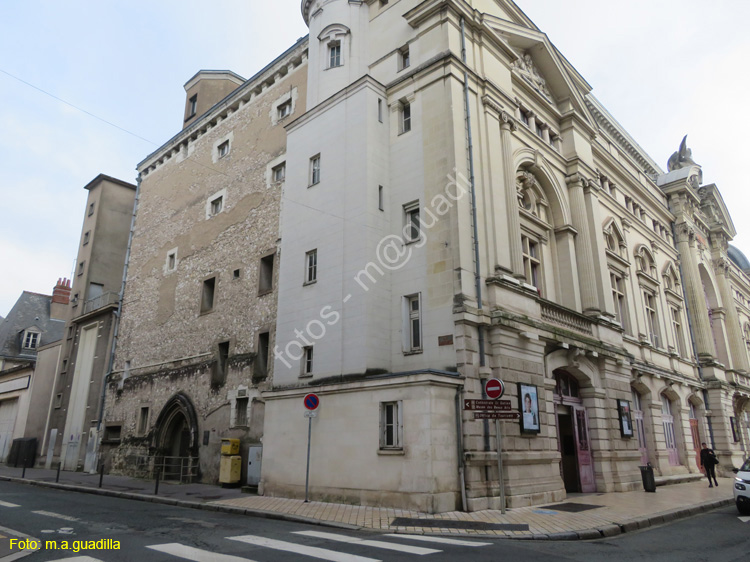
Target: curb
x=606, y=531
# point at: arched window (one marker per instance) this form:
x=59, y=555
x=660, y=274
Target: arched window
x=671, y=278
x=615, y=239
x=645, y=262
x=535, y=228
x=334, y=41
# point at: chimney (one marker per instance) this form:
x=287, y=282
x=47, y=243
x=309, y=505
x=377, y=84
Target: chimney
x=60, y=299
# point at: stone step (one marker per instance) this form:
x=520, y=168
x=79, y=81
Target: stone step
x=678, y=479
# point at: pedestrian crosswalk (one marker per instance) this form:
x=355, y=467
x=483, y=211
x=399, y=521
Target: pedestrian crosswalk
x=328, y=546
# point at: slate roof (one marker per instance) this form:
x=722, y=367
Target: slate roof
x=739, y=258
x=30, y=311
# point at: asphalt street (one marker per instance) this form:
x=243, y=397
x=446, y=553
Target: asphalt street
x=156, y=532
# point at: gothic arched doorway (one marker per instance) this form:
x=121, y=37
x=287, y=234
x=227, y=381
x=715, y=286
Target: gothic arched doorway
x=176, y=440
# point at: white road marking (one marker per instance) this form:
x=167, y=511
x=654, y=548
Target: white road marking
x=56, y=515
x=196, y=554
x=744, y=519
x=428, y=538
x=6, y=504
x=313, y=551
x=365, y=542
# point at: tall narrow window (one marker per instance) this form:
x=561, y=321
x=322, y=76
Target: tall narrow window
x=405, y=117
x=380, y=110
x=334, y=54
x=220, y=368
x=412, y=231
x=143, y=421
x=192, y=105
x=391, y=425
x=91, y=208
x=532, y=264
x=652, y=319
x=403, y=58
x=207, y=296
x=315, y=169
x=171, y=261
x=618, y=295
x=381, y=202
x=414, y=326
x=260, y=370
x=265, y=278
x=677, y=328
x=240, y=416
x=307, y=360
x=311, y=266
x=86, y=237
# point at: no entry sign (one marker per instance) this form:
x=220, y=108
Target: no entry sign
x=312, y=401
x=494, y=388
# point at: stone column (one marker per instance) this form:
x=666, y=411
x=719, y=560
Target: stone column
x=584, y=248
x=599, y=256
x=737, y=351
x=507, y=125
x=696, y=300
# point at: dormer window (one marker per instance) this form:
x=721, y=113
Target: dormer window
x=30, y=340
x=334, y=54
x=192, y=106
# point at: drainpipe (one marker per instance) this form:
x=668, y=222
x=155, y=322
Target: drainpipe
x=694, y=346
x=477, y=264
x=460, y=446
x=118, y=312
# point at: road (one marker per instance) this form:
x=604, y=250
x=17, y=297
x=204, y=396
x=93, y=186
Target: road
x=156, y=532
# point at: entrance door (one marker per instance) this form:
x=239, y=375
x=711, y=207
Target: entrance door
x=695, y=432
x=669, y=436
x=567, y=444
x=8, y=410
x=583, y=450
x=640, y=428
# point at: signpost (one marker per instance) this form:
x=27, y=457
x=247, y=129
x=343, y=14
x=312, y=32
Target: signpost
x=311, y=402
x=494, y=410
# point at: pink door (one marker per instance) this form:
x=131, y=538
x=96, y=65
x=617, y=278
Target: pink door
x=669, y=435
x=640, y=428
x=583, y=447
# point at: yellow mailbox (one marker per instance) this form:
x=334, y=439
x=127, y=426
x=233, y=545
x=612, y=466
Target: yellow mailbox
x=230, y=470
x=230, y=446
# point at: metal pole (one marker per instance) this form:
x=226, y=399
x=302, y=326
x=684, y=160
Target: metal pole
x=500, y=465
x=57, y=478
x=101, y=474
x=23, y=472
x=307, y=475
x=156, y=488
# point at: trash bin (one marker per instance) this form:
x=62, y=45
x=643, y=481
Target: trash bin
x=647, y=473
x=23, y=451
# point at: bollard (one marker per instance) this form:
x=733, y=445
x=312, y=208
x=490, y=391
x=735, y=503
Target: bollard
x=23, y=472
x=57, y=478
x=156, y=488
x=101, y=474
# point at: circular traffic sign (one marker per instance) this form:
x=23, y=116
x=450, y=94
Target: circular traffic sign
x=312, y=401
x=494, y=388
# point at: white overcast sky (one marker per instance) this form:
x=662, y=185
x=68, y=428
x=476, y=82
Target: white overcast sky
x=663, y=68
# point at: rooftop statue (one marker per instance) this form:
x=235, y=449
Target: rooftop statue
x=682, y=158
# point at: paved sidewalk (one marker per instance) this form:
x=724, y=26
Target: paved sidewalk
x=581, y=516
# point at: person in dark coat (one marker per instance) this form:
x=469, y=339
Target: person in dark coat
x=709, y=462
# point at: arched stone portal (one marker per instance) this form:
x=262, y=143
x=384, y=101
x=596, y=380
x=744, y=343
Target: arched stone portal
x=177, y=440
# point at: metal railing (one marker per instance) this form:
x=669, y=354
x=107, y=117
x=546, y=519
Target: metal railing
x=105, y=299
x=180, y=469
x=565, y=318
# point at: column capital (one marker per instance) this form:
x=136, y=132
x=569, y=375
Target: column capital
x=577, y=179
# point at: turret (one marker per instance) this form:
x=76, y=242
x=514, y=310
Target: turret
x=338, y=46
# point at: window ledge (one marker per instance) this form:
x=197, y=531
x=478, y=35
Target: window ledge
x=306, y=376
x=414, y=352
x=306, y=283
x=265, y=292
x=391, y=452
x=205, y=312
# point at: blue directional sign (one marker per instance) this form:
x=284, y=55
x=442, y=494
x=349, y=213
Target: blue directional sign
x=312, y=401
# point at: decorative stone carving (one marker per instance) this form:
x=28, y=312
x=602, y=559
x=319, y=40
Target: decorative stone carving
x=526, y=68
x=683, y=158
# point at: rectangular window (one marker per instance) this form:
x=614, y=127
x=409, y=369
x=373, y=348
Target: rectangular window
x=64, y=366
x=217, y=205
x=112, y=433
x=285, y=109
x=413, y=328
x=143, y=421
x=265, y=277
x=532, y=264
x=380, y=110
x=260, y=370
x=524, y=117
x=278, y=174
x=86, y=237
x=403, y=58
x=311, y=266
x=412, y=231
x=381, y=201
x=81, y=267
x=31, y=340
x=236, y=274
x=307, y=360
x=652, y=319
x=391, y=425
x=405, y=117
x=315, y=169
x=220, y=368
x=223, y=149
x=207, y=296
x=171, y=261
x=240, y=417
x=677, y=328
x=91, y=208
x=58, y=401
x=334, y=54
x=192, y=105
x=618, y=295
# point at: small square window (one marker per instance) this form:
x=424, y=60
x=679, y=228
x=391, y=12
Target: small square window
x=334, y=54
x=315, y=170
x=307, y=360
x=86, y=237
x=278, y=174
x=223, y=149
x=91, y=208
x=265, y=276
x=405, y=117
x=31, y=340
x=236, y=274
x=112, y=433
x=207, y=296
x=391, y=425
x=311, y=266
x=285, y=109
x=217, y=205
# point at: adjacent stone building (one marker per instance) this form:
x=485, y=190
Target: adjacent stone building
x=420, y=196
